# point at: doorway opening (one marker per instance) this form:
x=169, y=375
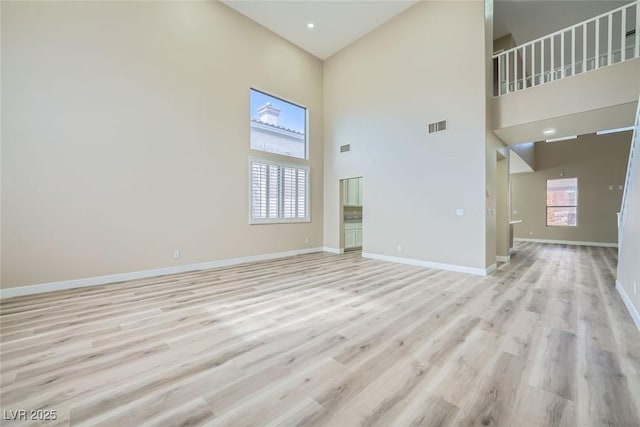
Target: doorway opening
x=351, y=213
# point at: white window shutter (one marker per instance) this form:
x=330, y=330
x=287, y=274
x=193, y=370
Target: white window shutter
x=279, y=192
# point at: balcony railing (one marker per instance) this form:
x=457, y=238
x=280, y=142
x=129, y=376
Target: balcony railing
x=604, y=40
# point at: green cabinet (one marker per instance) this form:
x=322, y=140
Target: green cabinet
x=352, y=192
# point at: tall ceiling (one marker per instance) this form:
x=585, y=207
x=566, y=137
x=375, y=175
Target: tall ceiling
x=338, y=23
x=529, y=20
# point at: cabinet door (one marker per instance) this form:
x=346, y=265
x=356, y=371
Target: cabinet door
x=358, y=237
x=352, y=199
x=359, y=191
x=349, y=239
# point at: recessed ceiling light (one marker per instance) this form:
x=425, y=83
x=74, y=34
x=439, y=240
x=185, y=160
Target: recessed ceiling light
x=605, y=132
x=564, y=138
x=549, y=131
x=311, y=25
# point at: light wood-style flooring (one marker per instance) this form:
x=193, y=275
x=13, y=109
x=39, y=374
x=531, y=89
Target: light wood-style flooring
x=333, y=340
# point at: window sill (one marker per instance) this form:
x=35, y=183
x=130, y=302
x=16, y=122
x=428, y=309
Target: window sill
x=278, y=221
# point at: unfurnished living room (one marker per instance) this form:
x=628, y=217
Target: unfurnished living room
x=320, y=213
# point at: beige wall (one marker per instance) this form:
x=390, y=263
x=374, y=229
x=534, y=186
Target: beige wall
x=126, y=136
x=597, y=162
x=380, y=93
x=505, y=42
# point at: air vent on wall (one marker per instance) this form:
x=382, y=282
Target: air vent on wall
x=438, y=126
x=344, y=148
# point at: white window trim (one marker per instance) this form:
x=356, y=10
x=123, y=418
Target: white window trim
x=257, y=221
x=567, y=206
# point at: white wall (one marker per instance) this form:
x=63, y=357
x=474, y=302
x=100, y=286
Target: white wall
x=380, y=93
x=629, y=250
x=126, y=136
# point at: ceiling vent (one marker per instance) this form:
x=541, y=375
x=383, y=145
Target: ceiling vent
x=345, y=148
x=438, y=126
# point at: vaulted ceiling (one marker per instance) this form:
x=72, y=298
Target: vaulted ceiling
x=338, y=23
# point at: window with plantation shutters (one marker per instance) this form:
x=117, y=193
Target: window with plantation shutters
x=279, y=192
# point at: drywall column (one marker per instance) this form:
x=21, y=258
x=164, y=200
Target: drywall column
x=502, y=208
x=628, y=279
x=492, y=143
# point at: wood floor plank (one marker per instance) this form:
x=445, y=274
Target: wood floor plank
x=302, y=414
x=324, y=340
x=555, y=370
x=606, y=399
x=538, y=408
x=493, y=403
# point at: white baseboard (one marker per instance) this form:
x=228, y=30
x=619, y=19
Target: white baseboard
x=627, y=302
x=568, y=242
x=502, y=258
x=121, y=277
x=333, y=250
x=428, y=264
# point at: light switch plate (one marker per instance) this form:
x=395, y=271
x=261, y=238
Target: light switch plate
x=460, y=212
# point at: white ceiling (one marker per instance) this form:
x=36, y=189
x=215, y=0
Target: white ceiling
x=338, y=23
x=529, y=20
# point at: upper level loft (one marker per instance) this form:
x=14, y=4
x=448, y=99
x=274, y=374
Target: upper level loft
x=578, y=80
x=603, y=40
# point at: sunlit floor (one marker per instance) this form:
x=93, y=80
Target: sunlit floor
x=332, y=340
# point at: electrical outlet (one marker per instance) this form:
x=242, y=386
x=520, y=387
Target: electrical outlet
x=306, y=240
x=460, y=212
x=176, y=254
x=399, y=248
x=530, y=232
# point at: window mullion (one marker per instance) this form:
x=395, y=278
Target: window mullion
x=296, y=213
x=281, y=193
x=267, y=199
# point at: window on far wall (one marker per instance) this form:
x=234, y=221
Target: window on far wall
x=277, y=126
x=562, y=202
x=278, y=192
